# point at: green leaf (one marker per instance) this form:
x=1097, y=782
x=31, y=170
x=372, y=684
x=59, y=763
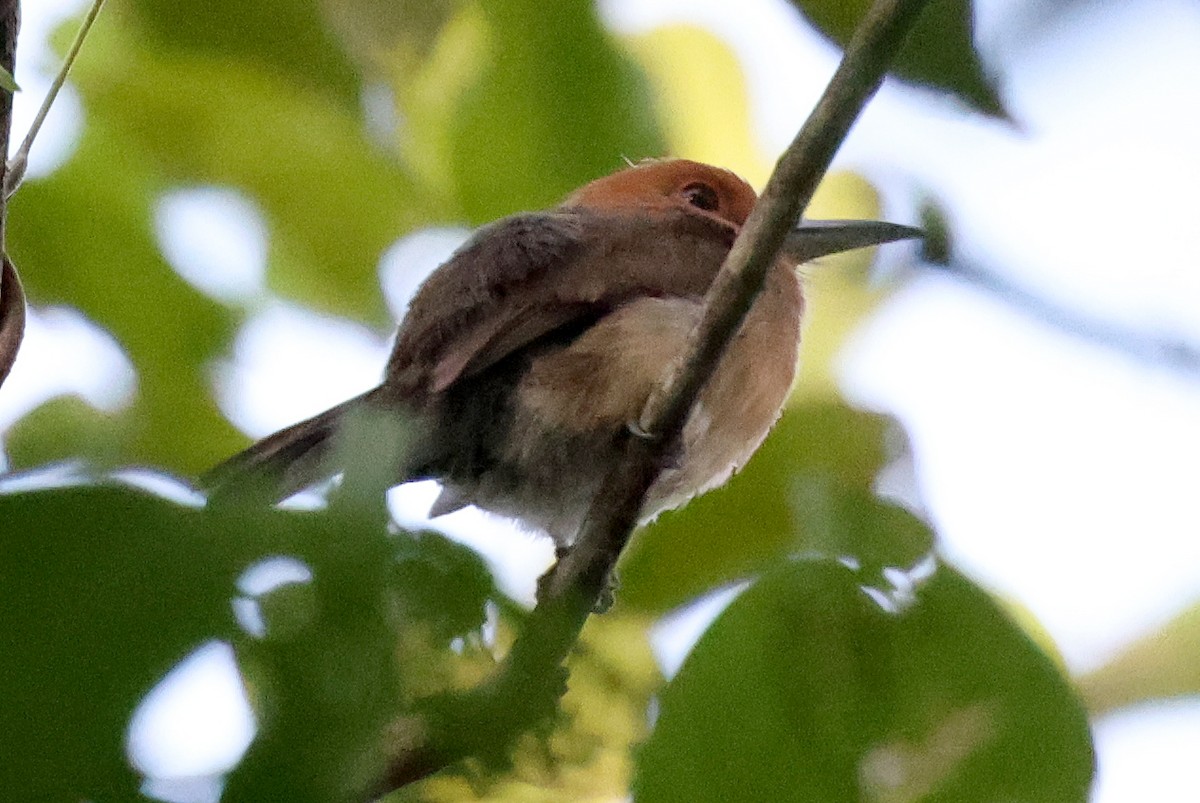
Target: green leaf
x=327, y=675
x=807, y=689
x=389, y=36
x=7, y=82
x=334, y=202
x=110, y=268
x=288, y=38
x=780, y=504
x=555, y=105
x=939, y=52
x=339, y=653
x=65, y=428
x=332, y=199
x=1160, y=665
x=105, y=590
x=445, y=584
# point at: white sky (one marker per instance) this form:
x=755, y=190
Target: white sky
x=1058, y=473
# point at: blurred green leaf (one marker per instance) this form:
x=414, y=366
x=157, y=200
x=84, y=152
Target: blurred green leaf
x=446, y=584
x=389, y=35
x=762, y=513
x=339, y=653
x=285, y=37
x=505, y=106
x=806, y=689
x=65, y=428
x=327, y=683
x=105, y=589
x=333, y=199
x=190, y=118
x=585, y=754
x=940, y=51
x=1163, y=664
x=111, y=269
x=555, y=105
x=853, y=524
x=7, y=82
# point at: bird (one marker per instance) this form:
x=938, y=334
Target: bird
x=525, y=359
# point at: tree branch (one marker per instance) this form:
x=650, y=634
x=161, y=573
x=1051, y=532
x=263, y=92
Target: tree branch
x=12, y=296
x=1175, y=354
x=453, y=727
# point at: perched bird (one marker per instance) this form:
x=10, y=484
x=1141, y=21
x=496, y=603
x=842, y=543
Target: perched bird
x=525, y=358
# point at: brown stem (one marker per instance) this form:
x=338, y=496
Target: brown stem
x=12, y=296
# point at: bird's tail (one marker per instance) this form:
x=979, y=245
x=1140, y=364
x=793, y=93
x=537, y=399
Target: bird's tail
x=281, y=464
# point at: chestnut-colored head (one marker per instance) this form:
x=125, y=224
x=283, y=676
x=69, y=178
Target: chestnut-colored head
x=671, y=184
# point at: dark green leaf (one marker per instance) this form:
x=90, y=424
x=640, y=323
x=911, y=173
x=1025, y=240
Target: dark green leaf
x=444, y=584
x=940, y=51
x=7, y=82
x=285, y=37
x=339, y=652
x=807, y=689
x=105, y=589
x=327, y=672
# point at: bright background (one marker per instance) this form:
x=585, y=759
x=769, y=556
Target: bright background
x=1042, y=451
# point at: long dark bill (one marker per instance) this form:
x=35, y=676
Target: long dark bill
x=812, y=239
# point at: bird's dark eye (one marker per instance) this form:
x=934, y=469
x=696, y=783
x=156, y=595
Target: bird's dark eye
x=701, y=196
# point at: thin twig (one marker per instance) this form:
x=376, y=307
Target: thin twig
x=578, y=581
x=20, y=159
x=1174, y=354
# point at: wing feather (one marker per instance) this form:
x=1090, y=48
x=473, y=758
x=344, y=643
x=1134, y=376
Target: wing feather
x=528, y=276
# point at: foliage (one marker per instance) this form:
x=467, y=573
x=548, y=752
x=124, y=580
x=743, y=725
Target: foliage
x=821, y=681
x=925, y=693
x=939, y=53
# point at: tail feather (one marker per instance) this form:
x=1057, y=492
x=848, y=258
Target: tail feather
x=281, y=464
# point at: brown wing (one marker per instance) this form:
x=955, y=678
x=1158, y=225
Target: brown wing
x=527, y=276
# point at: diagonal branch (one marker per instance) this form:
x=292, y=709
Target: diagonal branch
x=12, y=296
x=1173, y=353
x=481, y=720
